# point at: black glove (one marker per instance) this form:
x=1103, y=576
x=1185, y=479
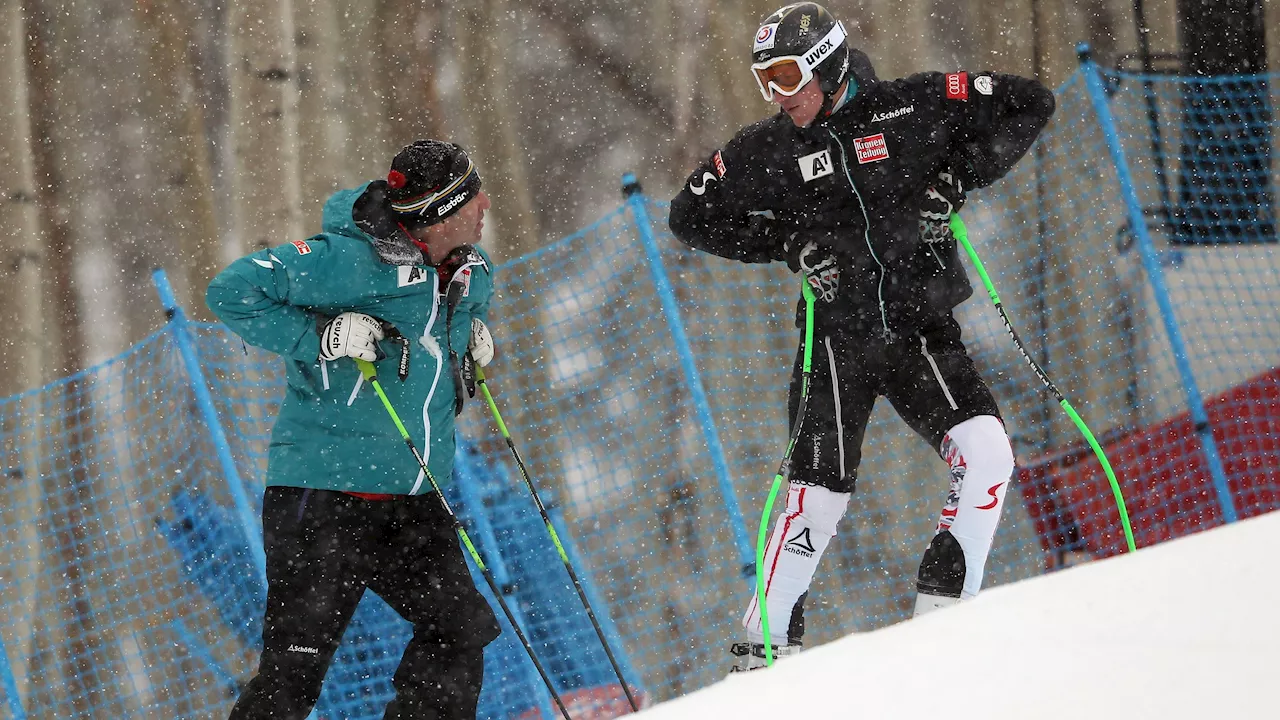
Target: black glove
x=945, y=197
x=820, y=267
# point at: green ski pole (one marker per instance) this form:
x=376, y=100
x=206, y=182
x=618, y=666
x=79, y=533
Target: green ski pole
x=371, y=376
x=551, y=530
x=784, y=471
x=962, y=234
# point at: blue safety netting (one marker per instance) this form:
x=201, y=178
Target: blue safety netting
x=645, y=386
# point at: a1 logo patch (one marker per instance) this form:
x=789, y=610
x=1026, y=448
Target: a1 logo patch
x=816, y=165
x=411, y=275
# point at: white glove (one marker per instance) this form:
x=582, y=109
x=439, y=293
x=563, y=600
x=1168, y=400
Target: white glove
x=351, y=334
x=481, y=344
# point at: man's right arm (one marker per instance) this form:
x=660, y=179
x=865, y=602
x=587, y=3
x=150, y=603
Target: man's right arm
x=258, y=298
x=713, y=212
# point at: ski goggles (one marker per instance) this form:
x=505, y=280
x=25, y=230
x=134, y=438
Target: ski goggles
x=786, y=74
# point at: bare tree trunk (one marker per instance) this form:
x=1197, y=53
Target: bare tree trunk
x=900, y=32
x=22, y=351
x=322, y=127
x=410, y=66
x=62, y=317
x=1105, y=31
x=1271, y=19
x=369, y=148
x=688, y=32
x=68, y=638
x=731, y=38
x=21, y=266
x=185, y=190
x=266, y=189
x=1004, y=35
x=64, y=323
x=499, y=151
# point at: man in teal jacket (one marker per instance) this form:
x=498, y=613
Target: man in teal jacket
x=394, y=278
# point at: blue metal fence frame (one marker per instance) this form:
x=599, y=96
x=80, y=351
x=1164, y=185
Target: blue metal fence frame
x=10, y=685
x=204, y=401
x=1151, y=263
x=697, y=391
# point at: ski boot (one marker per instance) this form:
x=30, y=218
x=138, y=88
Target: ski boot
x=750, y=656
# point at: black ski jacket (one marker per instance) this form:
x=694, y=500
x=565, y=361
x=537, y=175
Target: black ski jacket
x=854, y=181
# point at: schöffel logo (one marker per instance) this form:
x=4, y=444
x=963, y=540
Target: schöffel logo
x=801, y=544
x=453, y=203
x=301, y=649
x=871, y=148
x=893, y=114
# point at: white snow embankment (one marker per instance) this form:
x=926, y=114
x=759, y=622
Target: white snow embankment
x=1186, y=629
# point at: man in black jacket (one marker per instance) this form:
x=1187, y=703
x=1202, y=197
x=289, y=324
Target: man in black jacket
x=852, y=184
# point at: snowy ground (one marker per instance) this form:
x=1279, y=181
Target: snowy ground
x=1187, y=629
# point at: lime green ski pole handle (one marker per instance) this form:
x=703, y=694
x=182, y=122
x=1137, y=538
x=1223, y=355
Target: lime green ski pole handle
x=784, y=471
x=371, y=376
x=555, y=538
x=962, y=235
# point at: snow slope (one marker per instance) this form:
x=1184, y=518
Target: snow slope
x=1186, y=629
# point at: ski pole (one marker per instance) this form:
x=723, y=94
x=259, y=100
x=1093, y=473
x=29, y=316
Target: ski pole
x=371, y=376
x=962, y=234
x=784, y=471
x=551, y=530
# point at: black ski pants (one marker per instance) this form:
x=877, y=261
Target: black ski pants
x=927, y=375
x=323, y=549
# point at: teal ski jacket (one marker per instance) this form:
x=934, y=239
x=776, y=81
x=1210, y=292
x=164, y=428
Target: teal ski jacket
x=333, y=432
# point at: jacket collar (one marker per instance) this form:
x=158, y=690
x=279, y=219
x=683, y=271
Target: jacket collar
x=372, y=215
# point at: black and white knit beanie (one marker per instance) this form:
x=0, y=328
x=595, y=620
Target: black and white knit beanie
x=429, y=181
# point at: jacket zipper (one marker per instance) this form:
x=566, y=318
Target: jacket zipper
x=936, y=256
x=426, y=404
x=866, y=232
